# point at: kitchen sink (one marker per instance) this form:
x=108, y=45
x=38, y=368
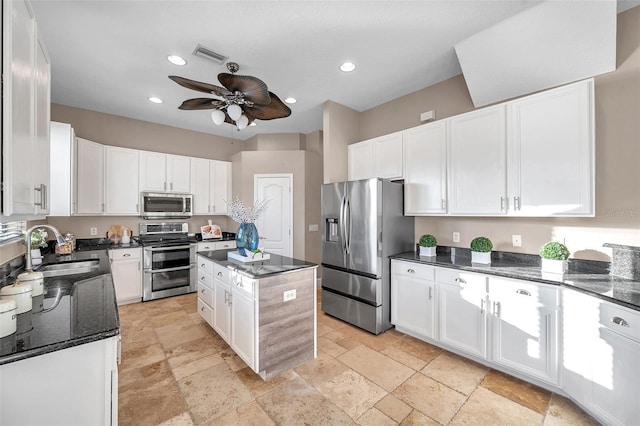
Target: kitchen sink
x=69, y=268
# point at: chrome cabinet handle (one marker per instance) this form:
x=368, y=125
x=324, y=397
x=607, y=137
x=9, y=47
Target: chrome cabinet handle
x=202, y=291
x=126, y=255
x=202, y=308
x=411, y=271
x=516, y=203
x=501, y=203
x=482, y=306
x=430, y=293
x=620, y=321
x=203, y=278
x=444, y=204
x=460, y=280
x=523, y=292
x=219, y=273
x=202, y=264
x=496, y=309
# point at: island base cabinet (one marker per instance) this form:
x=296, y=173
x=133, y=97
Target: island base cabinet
x=243, y=327
x=74, y=386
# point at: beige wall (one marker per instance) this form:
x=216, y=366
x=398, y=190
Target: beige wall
x=617, y=110
x=340, y=128
x=126, y=132
x=275, y=142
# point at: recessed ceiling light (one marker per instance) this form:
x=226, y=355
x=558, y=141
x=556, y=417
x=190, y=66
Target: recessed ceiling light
x=347, y=67
x=155, y=100
x=290, y=100
x=177, y=60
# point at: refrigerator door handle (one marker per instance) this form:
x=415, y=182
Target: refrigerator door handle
x=348, y=225
x=342, y=225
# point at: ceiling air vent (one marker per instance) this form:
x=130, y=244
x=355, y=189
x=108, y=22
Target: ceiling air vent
x=210, y=54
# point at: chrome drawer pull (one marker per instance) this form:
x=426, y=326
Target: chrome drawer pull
x=126, y=255
x=202, y=291
x=219, y=274
x=460, y=280
x=202, y=265
x=620, y=321
x=202, y=309
x=523, y=292
x=411, y=271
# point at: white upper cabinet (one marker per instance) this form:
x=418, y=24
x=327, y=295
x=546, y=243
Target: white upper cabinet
x=477, y=162
x=551, y=152
x=121, y=181
x=25, y=113
x=90, y=167
x=379, y=157
x=200, y=185
x=164, y=172
x=63, y=170
x=425, y=172
x=210, y=185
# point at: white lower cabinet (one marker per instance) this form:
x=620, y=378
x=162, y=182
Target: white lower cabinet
x=221, y=302
x=127, y=274
x=243, y=319
x=413, y=299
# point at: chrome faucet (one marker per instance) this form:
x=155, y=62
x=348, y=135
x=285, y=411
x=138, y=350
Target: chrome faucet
x=59, y=241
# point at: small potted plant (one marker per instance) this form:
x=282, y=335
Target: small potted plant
x=481, y=250
x=554, y=257
x=427, y=245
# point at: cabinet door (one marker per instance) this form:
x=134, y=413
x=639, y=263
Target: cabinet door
x=18, y=140
x=42, y=120
x=462, y=321
x=200, y=185
x=360, y=160
x=153, y=171
x=220, y=186
x=221, y=310
x=62, y=170
x=412, y=303
x=551, y=152
x=178, y=173
x=387, y=156
x=121, y=181
x=477, y=163
x=243, y=327
x=127, y=280
x=525, y=328
x=90, y=166
x=425, y=169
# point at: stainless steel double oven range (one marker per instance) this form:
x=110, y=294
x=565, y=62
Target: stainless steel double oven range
x=168, y=259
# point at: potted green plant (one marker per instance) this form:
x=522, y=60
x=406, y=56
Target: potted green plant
x=554, y=257
x=481, y=250
x=427, y=245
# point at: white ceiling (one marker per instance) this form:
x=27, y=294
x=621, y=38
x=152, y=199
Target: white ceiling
x=110, y=55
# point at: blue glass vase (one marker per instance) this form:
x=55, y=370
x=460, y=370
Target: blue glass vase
x=247, y=238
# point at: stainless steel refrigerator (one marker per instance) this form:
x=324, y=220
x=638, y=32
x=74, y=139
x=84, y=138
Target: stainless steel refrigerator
x=363, y=224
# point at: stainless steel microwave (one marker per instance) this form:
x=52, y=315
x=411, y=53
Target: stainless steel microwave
x=159, y=205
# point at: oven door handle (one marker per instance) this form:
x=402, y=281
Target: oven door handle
x=179, y=268
x=170, y=248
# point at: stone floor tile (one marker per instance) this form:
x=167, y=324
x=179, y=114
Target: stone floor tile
x=416, y=418
x=563, y=412
x=212, y=393
x=233, y=361
x=403, y=357
x=376, y=367
x=486, y=407
x=298, y=403
x=353, y=393
x=139, y=335
x=162, y=307
x=257, y=386
x=194, y=367
x=417, y=348
x=183, y=419
x=376, y=342
x=321, y=369
x=323, y=329
x=393, y=407
x=250, y=414
x=178, y=333
x=456, y=372
x=137, y=357
x=169, y=318
x=375, y=417
x=329, y=347
x=191, y=351
x=143, y=377
x=331, y=322
x=157, y=403
x=524, y=393
x=430, y=397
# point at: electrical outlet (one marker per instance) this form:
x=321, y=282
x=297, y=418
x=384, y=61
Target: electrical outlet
x=94, y=230
x=456, y=237
x=289, y=295
x=313, y=228
x=516, y=240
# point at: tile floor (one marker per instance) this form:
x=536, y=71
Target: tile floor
x=177, y=371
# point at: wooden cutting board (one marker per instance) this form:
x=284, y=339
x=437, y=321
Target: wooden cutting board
x=116, y=232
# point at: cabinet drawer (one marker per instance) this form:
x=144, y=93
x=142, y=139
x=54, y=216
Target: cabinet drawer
x=205, y=265
x=621, y=320
x=221, y=273
x=412, y=269
x=205, y=279
x=461, y=279
x=207, y=246
x=205, y=311
x=245, y=284
x=131, y=253
x=524, y=291
x=221, y=245
x=205, y=293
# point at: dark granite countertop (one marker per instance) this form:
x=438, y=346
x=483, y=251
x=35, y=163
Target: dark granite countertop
x=73, y=310
x=587, y=276
x=273, y=266
x=90, y=244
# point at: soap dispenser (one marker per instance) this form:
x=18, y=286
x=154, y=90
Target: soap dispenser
x=126, y=239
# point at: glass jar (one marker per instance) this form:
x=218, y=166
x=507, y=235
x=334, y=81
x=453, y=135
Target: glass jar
x=70, y=239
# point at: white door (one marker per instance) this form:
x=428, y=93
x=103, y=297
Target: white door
x=275, y=226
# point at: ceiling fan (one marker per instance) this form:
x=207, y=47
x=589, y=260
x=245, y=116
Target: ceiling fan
x=244, y=99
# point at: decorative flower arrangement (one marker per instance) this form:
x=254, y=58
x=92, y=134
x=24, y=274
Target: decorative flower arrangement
x=243, y=214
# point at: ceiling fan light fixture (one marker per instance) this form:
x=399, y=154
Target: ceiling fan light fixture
x=217, y=115
x=234, y=111
x=155, y=100
x=253, y=124
x=290, y=100
x=177, y=60
x=242, y=122
x=347, y=67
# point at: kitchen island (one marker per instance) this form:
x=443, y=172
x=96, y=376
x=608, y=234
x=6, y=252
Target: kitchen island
x=266, y=310
x=60, y=367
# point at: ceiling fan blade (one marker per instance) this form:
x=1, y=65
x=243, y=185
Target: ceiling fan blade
x=254, y=89
x=276, y=109
x=201, y=103
x=199, y=86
